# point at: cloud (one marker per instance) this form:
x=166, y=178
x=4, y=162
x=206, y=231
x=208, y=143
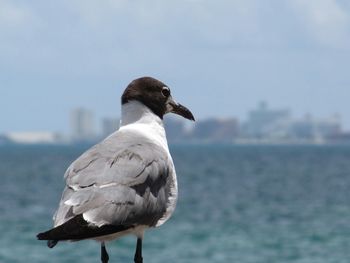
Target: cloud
x=16, y=31
x=13, y=15
x=247, y=49
x=97, y=36
x=327, y=21
x=184, y=21
x=102, y=37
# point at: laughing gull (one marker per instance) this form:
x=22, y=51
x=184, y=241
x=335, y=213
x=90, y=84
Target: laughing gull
x=127, y=183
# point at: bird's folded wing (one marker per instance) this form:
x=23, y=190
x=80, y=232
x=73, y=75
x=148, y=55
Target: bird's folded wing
x=117, y=183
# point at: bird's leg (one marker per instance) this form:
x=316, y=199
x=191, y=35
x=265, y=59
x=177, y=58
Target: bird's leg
x=138, y=252
x=104, y=254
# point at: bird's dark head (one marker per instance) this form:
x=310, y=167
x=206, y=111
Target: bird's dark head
x=156, y=96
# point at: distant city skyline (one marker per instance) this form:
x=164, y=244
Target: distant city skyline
x=219, y=57
x=99, y=124
x=263, y=125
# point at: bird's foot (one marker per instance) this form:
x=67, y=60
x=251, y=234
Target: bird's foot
x=138, y=253
x=138, y=259
x=104, y=254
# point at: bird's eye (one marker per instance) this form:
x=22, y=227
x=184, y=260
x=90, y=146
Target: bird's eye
x=166, y=92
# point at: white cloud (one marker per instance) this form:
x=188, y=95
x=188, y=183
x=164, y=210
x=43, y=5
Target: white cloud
x=242, y=46
x=326, y=20
x=13, y=15
x=100, y=37
x=17, y=23
x=199, y=21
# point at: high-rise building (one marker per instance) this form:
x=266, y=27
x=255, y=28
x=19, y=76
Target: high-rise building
x=82, y=125
x=263, y=122
x=216, y=130
x=311, y=128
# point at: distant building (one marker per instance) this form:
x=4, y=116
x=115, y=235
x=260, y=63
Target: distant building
x=264, y=122
x=109, y=125
x=82, y=125
x=329, y=127
x=316, y=129
x=33, y=137
x=216, y=130
x=304, y=129
x=343, y=137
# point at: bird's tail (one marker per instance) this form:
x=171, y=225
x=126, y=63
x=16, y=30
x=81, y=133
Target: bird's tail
x=77, y=228
x=46, y=236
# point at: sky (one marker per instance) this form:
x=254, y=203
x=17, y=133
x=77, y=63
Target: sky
x=220, y=58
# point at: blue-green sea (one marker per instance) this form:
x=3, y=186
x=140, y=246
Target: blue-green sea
x=243, y=204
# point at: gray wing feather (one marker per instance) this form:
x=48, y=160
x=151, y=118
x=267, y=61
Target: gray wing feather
x=117, y=182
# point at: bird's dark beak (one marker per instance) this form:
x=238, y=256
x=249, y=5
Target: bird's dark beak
x=177, y=108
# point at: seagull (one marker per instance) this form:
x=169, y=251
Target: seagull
x=126, y=183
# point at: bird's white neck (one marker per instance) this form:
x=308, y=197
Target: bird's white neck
x=136, y=112
x=136, y=117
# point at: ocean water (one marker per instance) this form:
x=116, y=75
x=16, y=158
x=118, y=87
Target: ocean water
x=245, y=204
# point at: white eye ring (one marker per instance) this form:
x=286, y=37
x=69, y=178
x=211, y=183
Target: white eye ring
x=166, y=92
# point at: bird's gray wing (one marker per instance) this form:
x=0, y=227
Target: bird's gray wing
x=124, y=180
